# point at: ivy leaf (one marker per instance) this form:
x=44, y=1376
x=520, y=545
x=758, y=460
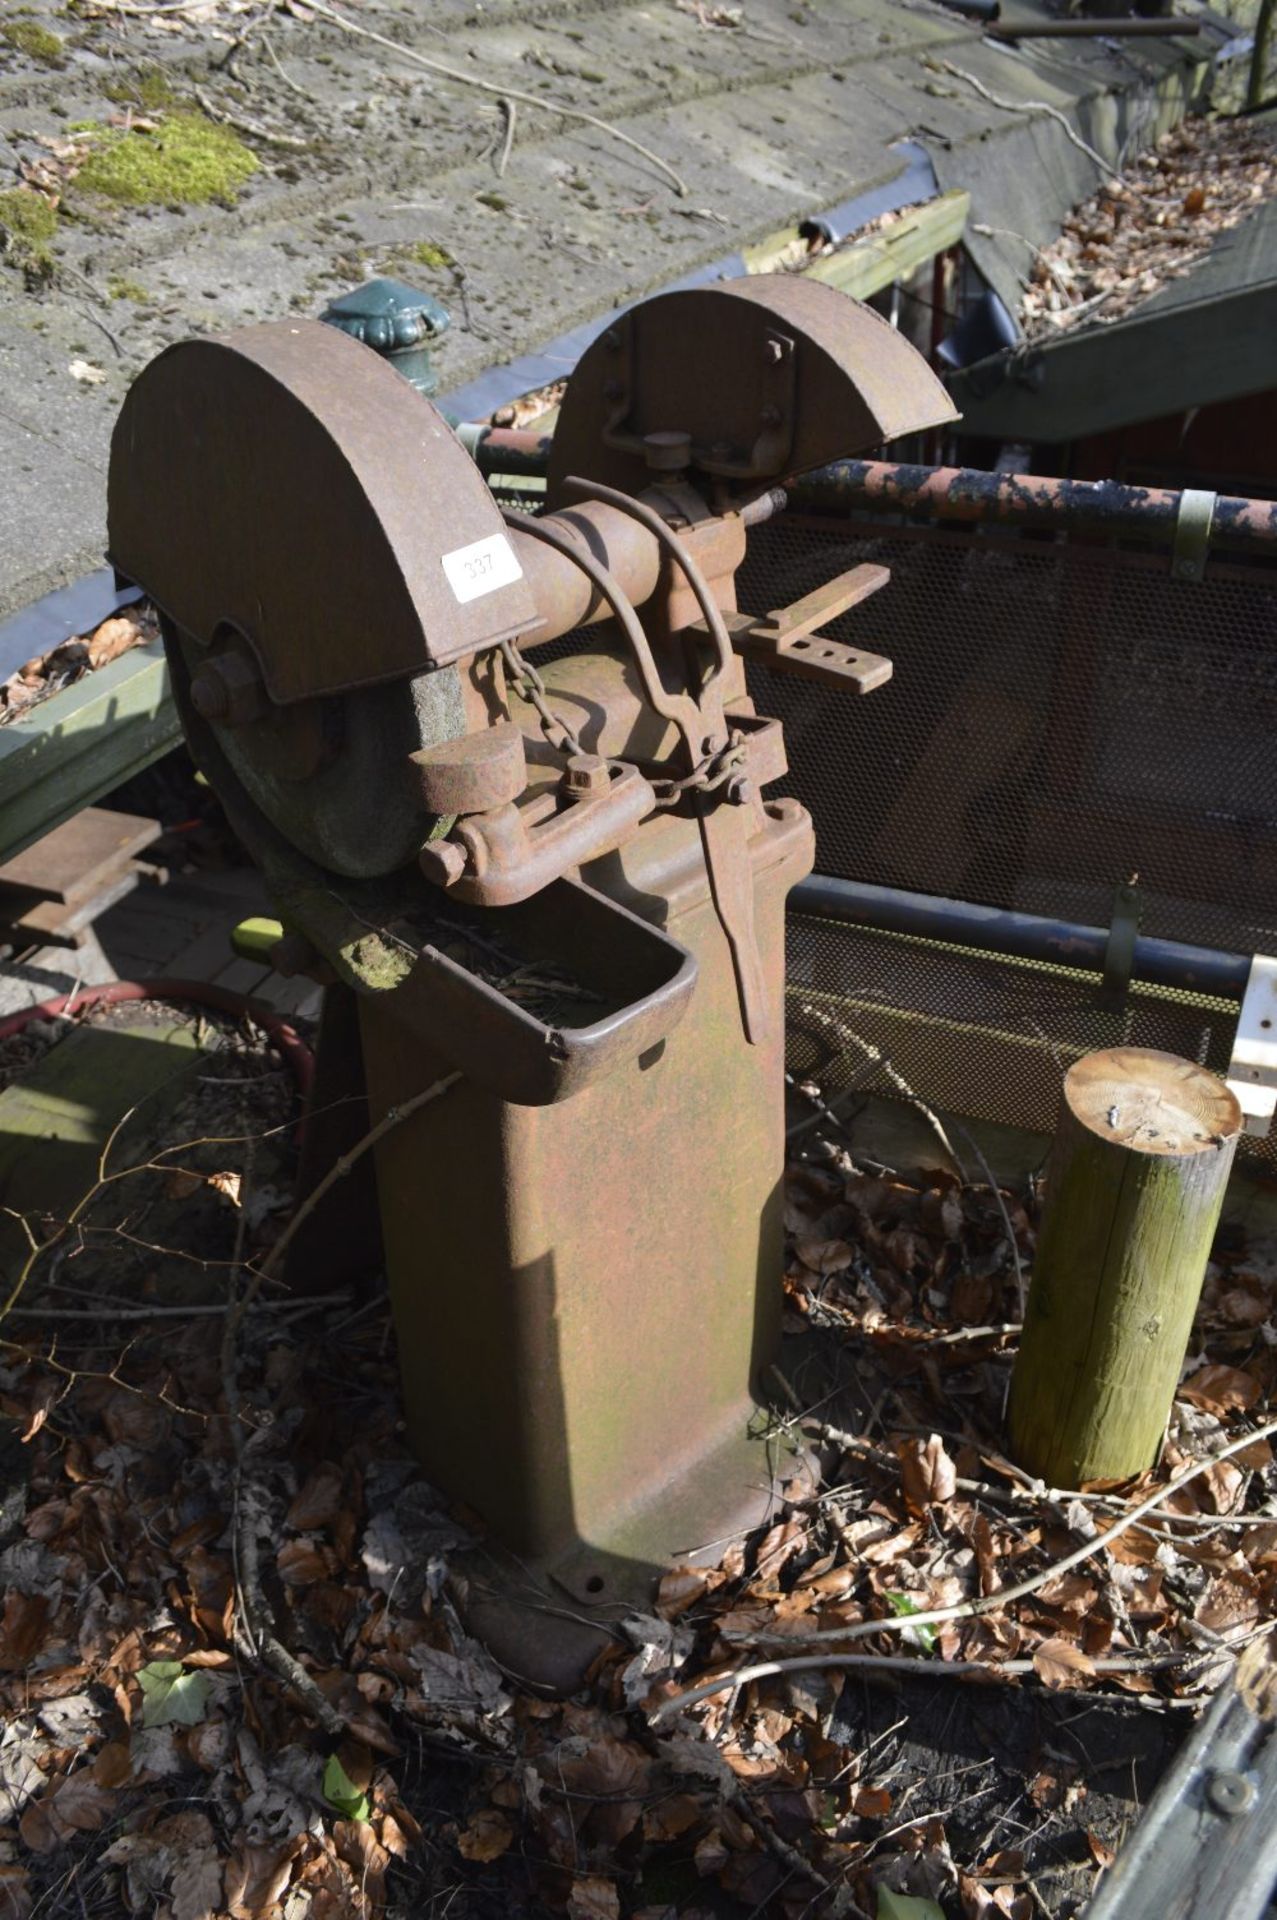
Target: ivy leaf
x=172, y=1695
x=906, y=1906
x=923, y=1637
x=341, y=1792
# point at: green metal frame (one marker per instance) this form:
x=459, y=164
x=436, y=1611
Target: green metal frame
x=81, y=743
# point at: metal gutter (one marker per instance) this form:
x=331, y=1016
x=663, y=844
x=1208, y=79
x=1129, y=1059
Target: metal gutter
x=47, y=622
x=1019, y=936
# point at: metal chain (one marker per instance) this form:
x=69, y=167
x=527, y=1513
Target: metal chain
x=714, y=771
x=527, y=682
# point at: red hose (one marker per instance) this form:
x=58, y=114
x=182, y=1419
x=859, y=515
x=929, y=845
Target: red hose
x=201, y=992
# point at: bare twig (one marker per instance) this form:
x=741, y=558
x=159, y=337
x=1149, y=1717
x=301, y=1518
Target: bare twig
x=254, y=1621
x=1037, y=106
x=894, y=1663
x=494, y=87
x=510, y=111
x=897, y=1079
x=1020, y=1289
x=287, y=79
x=994, y=1602
x=340, y=1167
x=252, y=128
x=193, y=1312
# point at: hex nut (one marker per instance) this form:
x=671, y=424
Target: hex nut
x=442, y=862
x=586, y=776
x=228, y=690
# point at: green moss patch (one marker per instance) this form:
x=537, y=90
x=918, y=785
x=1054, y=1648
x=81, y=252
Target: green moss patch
x=27, y=226
x=424, y=253
x=120, y=287
x=187, y=160
x=29, y=37
x=150, y=88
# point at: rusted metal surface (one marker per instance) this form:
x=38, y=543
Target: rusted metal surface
x=798, y=376
x=970, y=494
x=559, y=1430
x=478, y=771
x=1027, y=499
x=566, y=888
x=309, y=475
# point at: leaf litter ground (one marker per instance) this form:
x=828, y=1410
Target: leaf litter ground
x=153, y=1763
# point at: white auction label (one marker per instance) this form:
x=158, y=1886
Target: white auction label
x=482, y=568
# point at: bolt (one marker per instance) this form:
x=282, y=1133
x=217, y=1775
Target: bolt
x=612, y=339
x=770, y=416
x=739, y=789
x=668, y=451
x=228, y=690
x=210, y=695
x=585, y=777
x=1230, y=1792
x=773, y=352
x=612, y=390
x=442, y=862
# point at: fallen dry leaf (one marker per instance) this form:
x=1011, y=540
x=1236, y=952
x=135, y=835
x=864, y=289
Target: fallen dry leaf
x=1060, y=1663
x=929, y=1475
x=487, y=1836
x=593, y=1898
x=1219, y=1390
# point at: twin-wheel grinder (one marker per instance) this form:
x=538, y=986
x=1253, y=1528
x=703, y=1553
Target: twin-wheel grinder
x=558, y=887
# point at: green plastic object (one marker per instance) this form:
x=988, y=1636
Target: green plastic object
x=396, y=322
x=256, y=939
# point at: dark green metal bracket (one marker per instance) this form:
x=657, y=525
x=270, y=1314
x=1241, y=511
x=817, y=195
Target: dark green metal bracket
x=396, y=322
x=1119, y=955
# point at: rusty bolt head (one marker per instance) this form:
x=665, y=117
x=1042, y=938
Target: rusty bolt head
x=228, y=690
x=585, y=776
x=739, y=789
x=612, y=339
x=442, y=862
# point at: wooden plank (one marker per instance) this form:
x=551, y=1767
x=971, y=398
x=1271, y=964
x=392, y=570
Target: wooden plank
x=897, y=250
x=71, y=862
x=55, y=923
x=866, y=266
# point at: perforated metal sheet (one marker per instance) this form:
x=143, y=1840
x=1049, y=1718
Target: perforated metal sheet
x=1061, y=716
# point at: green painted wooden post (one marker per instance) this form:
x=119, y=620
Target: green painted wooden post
x=1135, y=1184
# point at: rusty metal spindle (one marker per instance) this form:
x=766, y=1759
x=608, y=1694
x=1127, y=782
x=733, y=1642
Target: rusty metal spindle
x=679, y=710
x=662, y=531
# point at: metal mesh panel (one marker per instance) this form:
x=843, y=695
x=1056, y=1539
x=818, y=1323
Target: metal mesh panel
x=1060, y=717
x=990, y=1039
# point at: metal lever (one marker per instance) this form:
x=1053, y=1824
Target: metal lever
x=787, y=638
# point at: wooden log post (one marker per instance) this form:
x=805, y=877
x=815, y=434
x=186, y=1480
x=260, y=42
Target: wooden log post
x=1135, y=1184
